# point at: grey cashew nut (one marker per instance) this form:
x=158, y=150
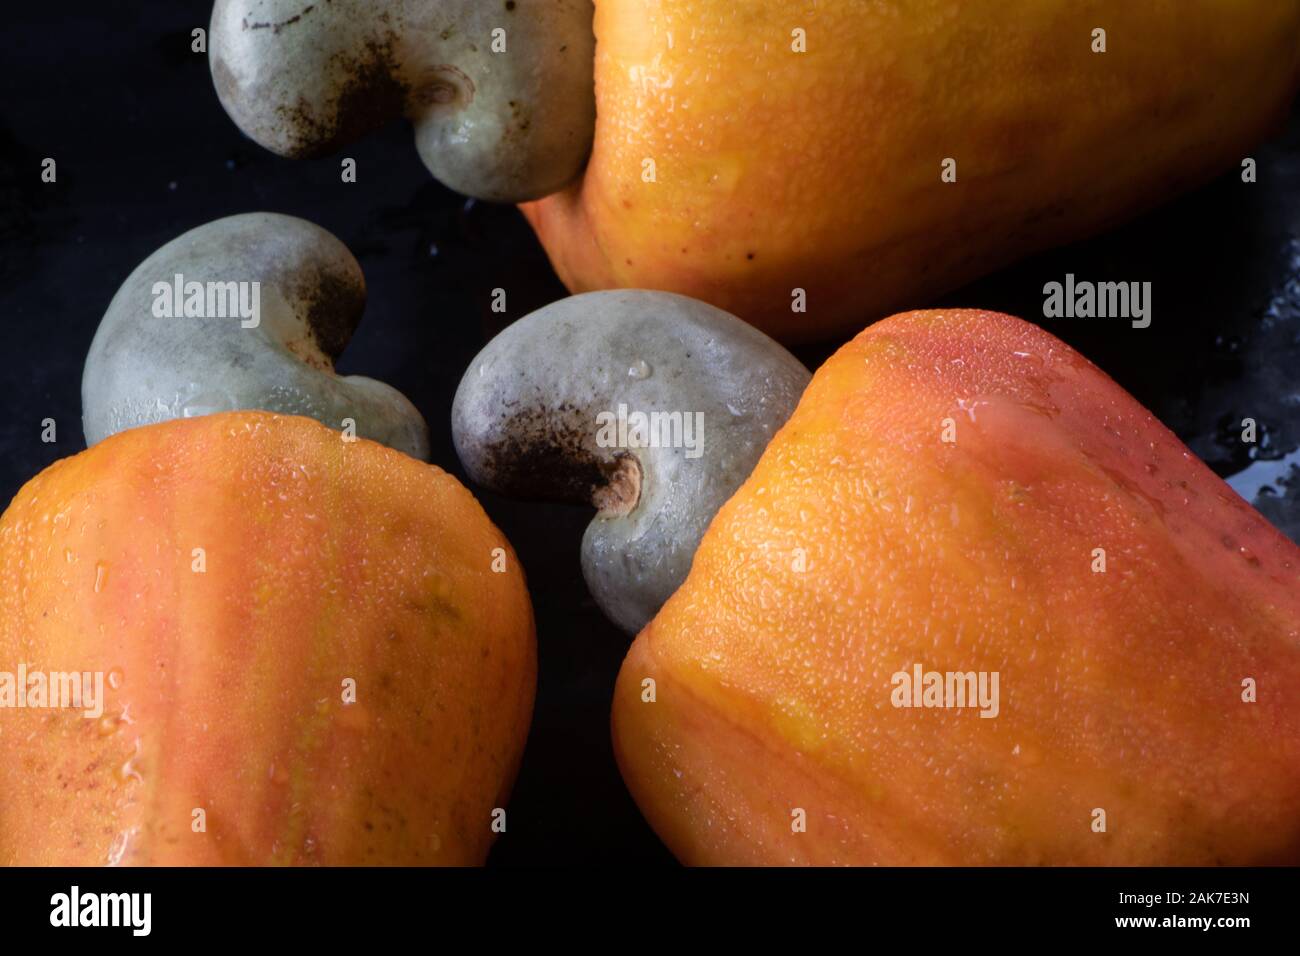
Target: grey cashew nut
x=245, y=312
x=653, y=407
x=501, y=92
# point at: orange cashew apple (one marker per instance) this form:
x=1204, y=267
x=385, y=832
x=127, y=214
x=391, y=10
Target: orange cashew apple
x=309, y=650
x=810, y=167
x=974, y=605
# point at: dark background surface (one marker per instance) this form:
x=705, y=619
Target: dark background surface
x=145, y=152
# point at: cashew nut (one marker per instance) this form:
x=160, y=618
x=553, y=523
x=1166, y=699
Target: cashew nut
x=245, y=312
x=653, y=407
x=501, y=92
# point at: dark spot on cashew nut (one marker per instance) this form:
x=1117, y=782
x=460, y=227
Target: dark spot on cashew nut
x=332, y=305
x=368, y=94
x=540, y=456
x=277, y=27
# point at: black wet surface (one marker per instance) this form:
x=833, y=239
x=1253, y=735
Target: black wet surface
x=145, y=152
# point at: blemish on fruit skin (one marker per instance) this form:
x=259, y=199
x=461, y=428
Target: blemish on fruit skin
x=1248, y=555
x=128, y=771
x=108, y=725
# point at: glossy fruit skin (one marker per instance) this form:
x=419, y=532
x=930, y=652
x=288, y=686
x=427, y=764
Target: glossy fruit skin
x=1119, y=690
x=325, y=560
x=821, y=171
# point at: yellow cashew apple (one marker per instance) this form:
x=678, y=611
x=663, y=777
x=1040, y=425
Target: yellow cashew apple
x=814, y=166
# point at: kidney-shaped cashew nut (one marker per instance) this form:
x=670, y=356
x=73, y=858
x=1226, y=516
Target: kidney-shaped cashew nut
x=245, y=312
x=501, y=92
x=653, y=407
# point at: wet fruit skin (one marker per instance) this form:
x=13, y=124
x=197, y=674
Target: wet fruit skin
x=325, y=560
x=1120, y=690
x=821, y=171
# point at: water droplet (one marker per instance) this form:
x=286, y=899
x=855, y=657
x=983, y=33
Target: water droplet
x=109, y=724
x=639, y=369
x=101, y=576
x=117, y=849
x=115, y=678
x=970, y=405
x=128, y=770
